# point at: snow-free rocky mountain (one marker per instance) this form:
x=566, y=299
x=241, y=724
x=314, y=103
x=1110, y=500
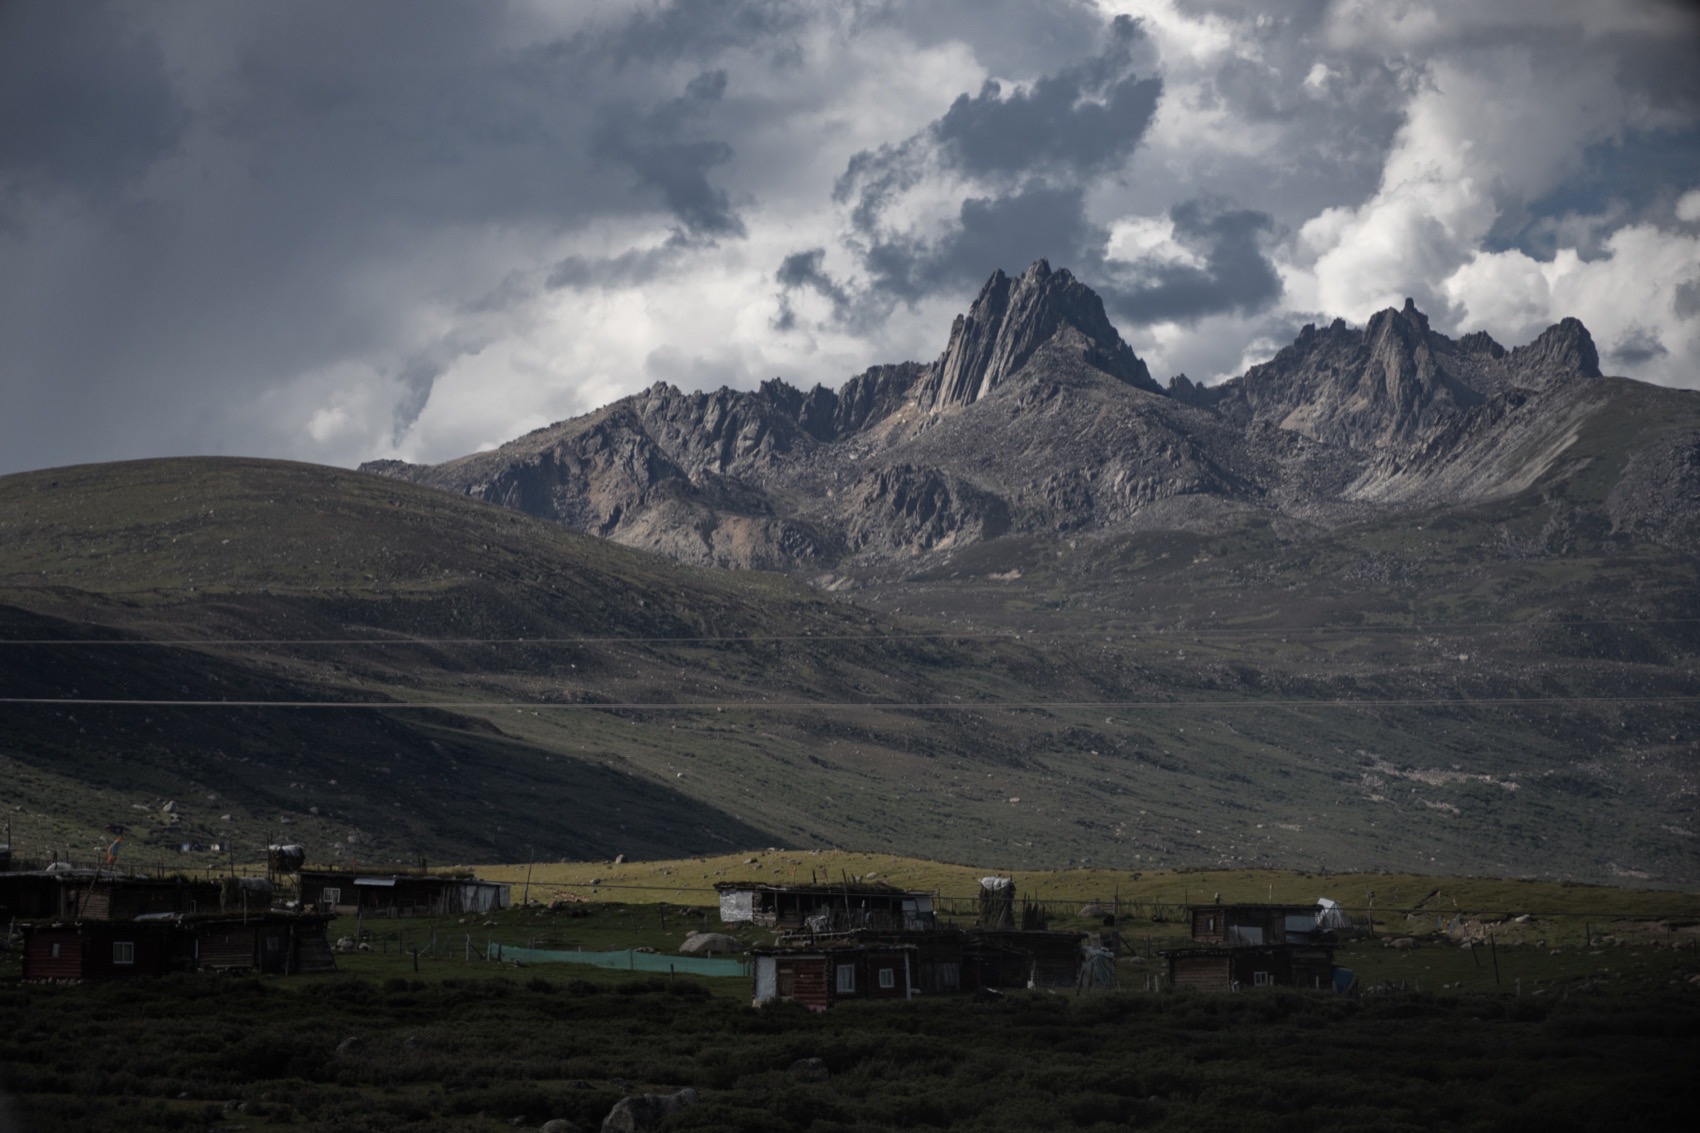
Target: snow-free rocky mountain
x=1038, y=420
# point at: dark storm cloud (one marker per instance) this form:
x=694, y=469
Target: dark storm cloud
x=84, y=99
x=1008, y=36
x=1236, y=274
x=696, y=29
x=1010, y=232
x=305, y=164
x=803, y=271
x=1638, y=344
x=664, y=147
x=1036, y=149
x=438, y=119
x=631, y=268
x=1079, y=123
x=1686, y=301
x=1624, y=180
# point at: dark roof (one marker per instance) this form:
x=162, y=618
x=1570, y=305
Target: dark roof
x=826, y=889
x=1246, y=949
x=1257, y=906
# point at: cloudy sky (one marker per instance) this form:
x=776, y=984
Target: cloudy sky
x=334, y=231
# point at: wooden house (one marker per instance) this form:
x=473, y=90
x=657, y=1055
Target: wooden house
x=820, y=977
x=1234, y=969
x=826, y=908
x=272, y=943
x=345, y=893
x=1259, y=924
x=90, y=894
x=821, y=969
x=1258, y=945
x=96, y=950
x=1018, y=958
x=275, y=944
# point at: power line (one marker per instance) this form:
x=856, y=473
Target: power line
x=820, y=705
x=1106, y=633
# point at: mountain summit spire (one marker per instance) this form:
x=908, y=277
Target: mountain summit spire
x=1011, y=319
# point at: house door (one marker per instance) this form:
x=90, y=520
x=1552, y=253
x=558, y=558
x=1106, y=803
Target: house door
x=767, y=978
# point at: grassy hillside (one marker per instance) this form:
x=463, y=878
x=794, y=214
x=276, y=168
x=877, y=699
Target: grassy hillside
x=465, y=683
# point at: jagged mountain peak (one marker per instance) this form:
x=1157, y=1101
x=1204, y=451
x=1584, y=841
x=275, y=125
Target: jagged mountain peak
x=1039, y=418
x=1397, y=380
x=1010, y=320
x=1565, y=347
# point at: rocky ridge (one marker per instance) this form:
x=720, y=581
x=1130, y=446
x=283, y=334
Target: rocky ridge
x=1038, y=419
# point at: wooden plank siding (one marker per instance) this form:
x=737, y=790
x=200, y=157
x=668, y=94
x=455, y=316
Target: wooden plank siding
x=805, y=980
x=1202, y=973
x=225, y=948
x=101, y=950
x=1234, y=969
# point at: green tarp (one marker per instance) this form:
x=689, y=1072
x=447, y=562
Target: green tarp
x=627, y=961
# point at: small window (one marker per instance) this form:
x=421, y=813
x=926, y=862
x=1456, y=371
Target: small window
x=1262, y=979
x=123, y=952
x=330, y=895
x=846, y=977
x=55, y=951
x=888, y=978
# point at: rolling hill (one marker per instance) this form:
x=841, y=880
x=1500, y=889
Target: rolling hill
x=387, y=672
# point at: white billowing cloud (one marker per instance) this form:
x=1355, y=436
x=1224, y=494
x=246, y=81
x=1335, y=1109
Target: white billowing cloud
x=1628, y=298
x=1150, y=238
x=1688, y=206
x=1473, y=138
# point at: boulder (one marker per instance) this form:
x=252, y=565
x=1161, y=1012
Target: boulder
x=559, y=1125
x=711, y=942
x=646, y=1111
x=809, y=1070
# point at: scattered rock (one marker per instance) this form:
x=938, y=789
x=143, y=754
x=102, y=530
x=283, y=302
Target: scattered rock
x=809, y=1070
x=352, y=1045
x=646, y=1111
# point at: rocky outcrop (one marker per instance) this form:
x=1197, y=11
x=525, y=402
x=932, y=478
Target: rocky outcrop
x=644, y=1112
x=903, y=508
x=1561, y=351
x=868, y=398
x=1384, y=385
x=1657, y=499
x=1038, y=419
x=1010, y=320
